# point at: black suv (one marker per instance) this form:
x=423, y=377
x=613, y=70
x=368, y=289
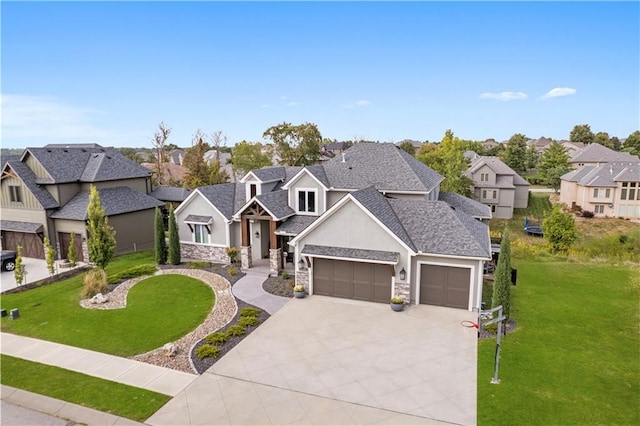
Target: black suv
x=8, y=260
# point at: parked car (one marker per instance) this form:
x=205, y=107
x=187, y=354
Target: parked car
x=8, y=260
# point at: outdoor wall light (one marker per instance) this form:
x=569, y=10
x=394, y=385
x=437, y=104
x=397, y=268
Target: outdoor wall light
x=403, y=274
x=301, y=264
x=257, y=234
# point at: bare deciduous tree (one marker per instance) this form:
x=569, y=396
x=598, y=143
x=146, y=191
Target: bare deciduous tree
x=159, y=140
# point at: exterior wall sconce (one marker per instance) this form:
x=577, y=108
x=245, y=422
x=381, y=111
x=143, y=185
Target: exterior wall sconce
x=301, y=264
x=257, y=234
x=403, y=274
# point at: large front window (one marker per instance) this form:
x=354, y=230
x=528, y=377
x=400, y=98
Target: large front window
x=307, y=201
x=201, y=234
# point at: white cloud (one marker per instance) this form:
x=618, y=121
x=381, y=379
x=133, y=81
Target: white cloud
x=363, y=102
x=45, y=118
x=504, y=96
x=356, y=104
x=559, y=92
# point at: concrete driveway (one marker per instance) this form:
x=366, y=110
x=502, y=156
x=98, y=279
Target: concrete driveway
x=36, y=271
x=322, y=360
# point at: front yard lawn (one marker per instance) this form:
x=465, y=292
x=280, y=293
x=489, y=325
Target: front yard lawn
x=573, y=358
x=159, y=310
x=110, y=397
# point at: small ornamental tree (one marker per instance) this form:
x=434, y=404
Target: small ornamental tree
x=559, y=230
x=160, y=242
x=502, y=277
x=50, y=255
x=20, y=272
x=174, y=239
x=101, y=239
x=71, y=253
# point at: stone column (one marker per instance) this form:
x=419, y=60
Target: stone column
x=275, y=260
x=245, y=257
x=302, y=278
x=85, y=251
x=403, y=289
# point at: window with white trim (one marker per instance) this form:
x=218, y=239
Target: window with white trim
x=599, y=209
x=15, y=194
x=484, y=177
x=201, y=234
x=306, y=201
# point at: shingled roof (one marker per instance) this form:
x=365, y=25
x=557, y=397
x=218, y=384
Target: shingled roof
x=118, y=200
x=467, y=205
x=170, y=193
x=84, y=163
x=606, y=175
x=223, y=196
x=499, y=167
x=596, y=153
x=25, y=174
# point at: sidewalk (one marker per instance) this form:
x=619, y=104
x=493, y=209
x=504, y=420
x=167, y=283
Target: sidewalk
x=109, y=367
x=249, y=289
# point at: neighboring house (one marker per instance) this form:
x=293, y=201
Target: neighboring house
x=364, y=225
x=331, y=149
x=498, y=186
x=172, y=174
x=490, y=143
x=176, y=156
x=607, y=190
x=224, y=157
x=45, y=193
x=571, y=147
x=540, y=144
x=595, y=155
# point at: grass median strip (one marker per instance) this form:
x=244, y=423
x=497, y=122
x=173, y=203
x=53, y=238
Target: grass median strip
x=92, y=392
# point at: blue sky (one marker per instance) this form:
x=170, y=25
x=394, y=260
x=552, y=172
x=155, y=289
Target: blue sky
x=110, y=72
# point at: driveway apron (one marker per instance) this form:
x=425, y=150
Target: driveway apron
x=334, y=361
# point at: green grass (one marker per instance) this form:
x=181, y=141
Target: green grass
x=109, y=397
x=573, y=358
x=159, y=309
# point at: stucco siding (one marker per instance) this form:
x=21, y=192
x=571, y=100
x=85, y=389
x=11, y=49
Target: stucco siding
x=65, y=192
x=334, y=196
x=307, y=182
x=521, y=199
x=199, y=206
x=134, y=231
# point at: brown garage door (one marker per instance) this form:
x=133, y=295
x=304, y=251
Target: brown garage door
x=352, y=280
x=32, y=245
x=445, y=286
x=65, y=240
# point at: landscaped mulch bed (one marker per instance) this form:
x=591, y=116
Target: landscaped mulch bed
x=279, y=286
x=202, y=365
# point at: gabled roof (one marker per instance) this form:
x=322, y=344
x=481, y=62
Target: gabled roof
x=316, y=172
x=381, y=164
x=25, y=174
x=471, y=207
x=118, y=200
x=223, y=197
x=270, y=174
x=170, y=193
x=84, y=163
x=596, y=153
x=605, y=175
x=276, y=203
x=295, y=224
x=498, y=166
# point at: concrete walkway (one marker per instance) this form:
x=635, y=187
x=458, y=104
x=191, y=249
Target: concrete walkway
x=109, y=367
x=249, y=289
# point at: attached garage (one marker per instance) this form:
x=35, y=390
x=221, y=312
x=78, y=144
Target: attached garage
x=352, y=280
x=65, y=243
x=445, y=285
x=26, y=234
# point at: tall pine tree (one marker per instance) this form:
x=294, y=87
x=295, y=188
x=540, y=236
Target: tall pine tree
x=101, y=236
x=174, y=239
x=502, y=277
x=159, y=239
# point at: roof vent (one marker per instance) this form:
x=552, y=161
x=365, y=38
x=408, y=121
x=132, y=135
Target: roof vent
x=343, y=159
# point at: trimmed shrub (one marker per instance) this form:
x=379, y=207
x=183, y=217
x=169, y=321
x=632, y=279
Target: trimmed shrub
x=231, y=270
x=250, y=312
x=232, y=252
x=217, y=338
x=236, y=330
x=207, y=351
x=94, y=281
x=248, y=321
x=136, y=271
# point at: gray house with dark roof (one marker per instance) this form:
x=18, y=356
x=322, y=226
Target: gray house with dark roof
x=365, y=225
x=45, y=193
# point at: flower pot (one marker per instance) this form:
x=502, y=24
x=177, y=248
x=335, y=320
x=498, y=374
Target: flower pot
x=299, y=294
x=397, y=306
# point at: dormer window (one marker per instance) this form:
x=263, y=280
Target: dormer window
x=253, y=190
x=307, y=201
x=15, y=194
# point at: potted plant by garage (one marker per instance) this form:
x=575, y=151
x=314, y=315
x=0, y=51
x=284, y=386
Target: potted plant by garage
x=298, y=291
x=397, y=303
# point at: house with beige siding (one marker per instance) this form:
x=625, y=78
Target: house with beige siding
x=367, y=224
x=45, y=193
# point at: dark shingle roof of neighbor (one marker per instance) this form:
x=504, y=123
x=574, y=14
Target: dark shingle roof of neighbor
x=434, y=227
x=606, y=175
x=467, y=205
x=12, y=225
x=118, y=200
x=351, y=253
x=277, y=203
x=170, y=193
x=379, y=206
x=223, y=196
x=26, y=175
x=594, y=152
x=85, y=163
x=381, y=164
x=295, y=224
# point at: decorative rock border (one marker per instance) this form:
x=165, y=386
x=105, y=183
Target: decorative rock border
x=223, y=311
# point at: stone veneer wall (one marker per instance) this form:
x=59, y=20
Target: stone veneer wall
x=85, y=251
x=202, y=252
x=275, y=258
x=245, y=257
x=404, y=290
x=302, y=278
